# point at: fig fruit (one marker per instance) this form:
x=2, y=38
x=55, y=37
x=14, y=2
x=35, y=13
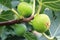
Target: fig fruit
x=41, y=23
x=19, y=29
x=24, y=9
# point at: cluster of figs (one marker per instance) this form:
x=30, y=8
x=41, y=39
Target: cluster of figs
x=40, y=23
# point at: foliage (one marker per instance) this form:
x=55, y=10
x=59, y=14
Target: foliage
x=8, y=12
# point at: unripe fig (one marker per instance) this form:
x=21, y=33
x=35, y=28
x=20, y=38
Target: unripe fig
x=20, y=29
x=41, y=23
x=24, y=9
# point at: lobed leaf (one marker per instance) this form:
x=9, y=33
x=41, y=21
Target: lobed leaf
x=6, y=3
x=52, y=4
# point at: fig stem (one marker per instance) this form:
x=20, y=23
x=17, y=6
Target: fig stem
x=40, y=6
x=15, y=12
x=48, y=37
x=33, y=8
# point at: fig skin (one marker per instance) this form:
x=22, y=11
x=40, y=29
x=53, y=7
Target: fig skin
x=24, y=9
x=20, y=29
x=41, y=23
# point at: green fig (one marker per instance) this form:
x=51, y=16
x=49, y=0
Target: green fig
x=19, y=29
x=24, y=9
x=41, y=23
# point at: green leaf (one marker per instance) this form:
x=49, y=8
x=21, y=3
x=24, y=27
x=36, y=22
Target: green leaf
x=42, y=38
x=6, y=3
x=47, y=32
x=30, y=36
x=16, y=3
x=6, y=15
x=52, y=4
x=2, y=32
x=55, y=26
x=57, y=32
x=48, y=0
x=1, y=29
x=58, y=37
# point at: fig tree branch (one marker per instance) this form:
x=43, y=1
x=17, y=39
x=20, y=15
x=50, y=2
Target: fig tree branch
x=11, y=22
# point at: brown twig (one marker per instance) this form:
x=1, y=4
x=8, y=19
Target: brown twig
x=11, y=22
